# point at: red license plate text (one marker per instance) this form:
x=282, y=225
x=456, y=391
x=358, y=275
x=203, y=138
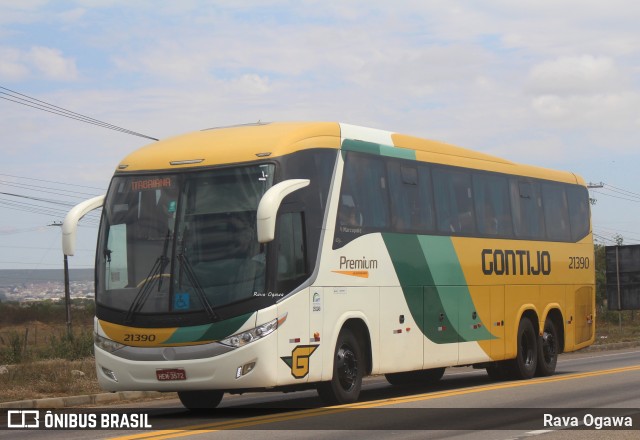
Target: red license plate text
x=171, y=374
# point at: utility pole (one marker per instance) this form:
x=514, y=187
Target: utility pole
x=67, y=292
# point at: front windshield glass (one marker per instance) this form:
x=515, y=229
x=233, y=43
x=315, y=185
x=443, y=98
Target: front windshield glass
x=218, y=258
x=181, y=243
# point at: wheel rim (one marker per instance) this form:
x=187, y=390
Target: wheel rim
x=347, y=368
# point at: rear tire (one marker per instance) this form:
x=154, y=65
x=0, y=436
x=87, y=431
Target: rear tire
x=548, y=347
x=348, y=370
x=418, y=378
x=525, y=364
x=199, y=400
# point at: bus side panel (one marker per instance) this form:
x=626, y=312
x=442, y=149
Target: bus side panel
x=441, y=338
x=584, y=316
x=400, y=336
x=497, y=345
x=294, y=347
x=517, y=300
x=475, y=325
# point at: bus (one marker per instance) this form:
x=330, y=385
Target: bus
x=289, y=256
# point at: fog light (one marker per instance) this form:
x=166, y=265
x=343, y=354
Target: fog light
x=247, y=368
x=110, y=374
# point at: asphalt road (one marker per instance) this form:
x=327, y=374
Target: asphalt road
x=588, y=389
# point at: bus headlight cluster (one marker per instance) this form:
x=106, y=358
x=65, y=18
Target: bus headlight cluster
x=244, y=338
x=106, y=344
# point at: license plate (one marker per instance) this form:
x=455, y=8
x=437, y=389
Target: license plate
x=171, y=374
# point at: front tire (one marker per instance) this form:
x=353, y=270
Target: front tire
x=548, y=347
x=199, y=400
x=348, y=370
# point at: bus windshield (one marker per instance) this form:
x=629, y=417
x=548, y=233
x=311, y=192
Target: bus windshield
x=181, y=243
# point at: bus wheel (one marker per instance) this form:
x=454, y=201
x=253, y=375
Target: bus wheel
x=547, y=350
x=524, y=365
x=348, y=369
x=419, y=378
x=195, y=400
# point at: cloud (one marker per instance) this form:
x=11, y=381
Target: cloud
x=11, y=66
x=583, y=75
x=583, y=90
x=39, y=61
x=52, y=64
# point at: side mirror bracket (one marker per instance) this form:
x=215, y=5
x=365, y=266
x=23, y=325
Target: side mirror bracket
x=269, y=204
x=70, y=224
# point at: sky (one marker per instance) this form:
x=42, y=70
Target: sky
x=553, y=83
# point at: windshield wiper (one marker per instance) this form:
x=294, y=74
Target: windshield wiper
x=156, y=272
x=193, y=279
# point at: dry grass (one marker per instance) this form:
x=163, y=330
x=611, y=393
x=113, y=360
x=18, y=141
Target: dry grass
x=609, y=330
x=48, y=378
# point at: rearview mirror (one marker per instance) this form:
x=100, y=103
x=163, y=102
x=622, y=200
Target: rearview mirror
x=70, y=224
x=269, y=204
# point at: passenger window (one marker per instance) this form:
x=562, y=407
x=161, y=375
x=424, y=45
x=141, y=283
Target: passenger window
x=579, y=211
x=411, y=200
x=556, y=212
x=526, y=207
x=364, y=199
x=454, y=202
x=493, y=212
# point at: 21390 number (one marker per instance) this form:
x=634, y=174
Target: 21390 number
x=579, y=262
x=137, y=337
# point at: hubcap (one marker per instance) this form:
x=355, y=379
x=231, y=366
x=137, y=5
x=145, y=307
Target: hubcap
x=347, y=367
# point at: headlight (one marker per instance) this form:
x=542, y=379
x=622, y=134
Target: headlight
x=244, y=338
x=106, y=344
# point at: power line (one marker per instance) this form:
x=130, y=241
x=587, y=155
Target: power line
x=618, y=197
x=52, y=181
x=38, y=199
x=48, y=190
x=623, y=190
x=37, y=104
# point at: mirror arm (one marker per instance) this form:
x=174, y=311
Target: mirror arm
x=70, y=224
x=269, y=204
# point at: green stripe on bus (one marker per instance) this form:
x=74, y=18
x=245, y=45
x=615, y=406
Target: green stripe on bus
x=209, y=332
x=451, y=284
x=434, y=287
x=377, y=149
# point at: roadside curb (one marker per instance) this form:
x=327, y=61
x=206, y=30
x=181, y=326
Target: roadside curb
x=75, y=401
x=109, y=398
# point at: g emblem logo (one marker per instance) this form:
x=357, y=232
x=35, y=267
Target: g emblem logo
x=299, y=360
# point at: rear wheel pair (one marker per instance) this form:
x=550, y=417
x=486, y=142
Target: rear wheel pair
x=536, y=355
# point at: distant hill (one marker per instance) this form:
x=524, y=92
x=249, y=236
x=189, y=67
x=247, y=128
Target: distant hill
x=10, y=277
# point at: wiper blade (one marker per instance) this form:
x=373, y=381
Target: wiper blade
x=155, y=274
x=193, y=279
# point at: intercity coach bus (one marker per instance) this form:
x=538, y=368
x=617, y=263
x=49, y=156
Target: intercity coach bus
x=285, y=256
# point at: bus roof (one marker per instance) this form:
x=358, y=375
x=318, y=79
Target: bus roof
x=246, y=143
